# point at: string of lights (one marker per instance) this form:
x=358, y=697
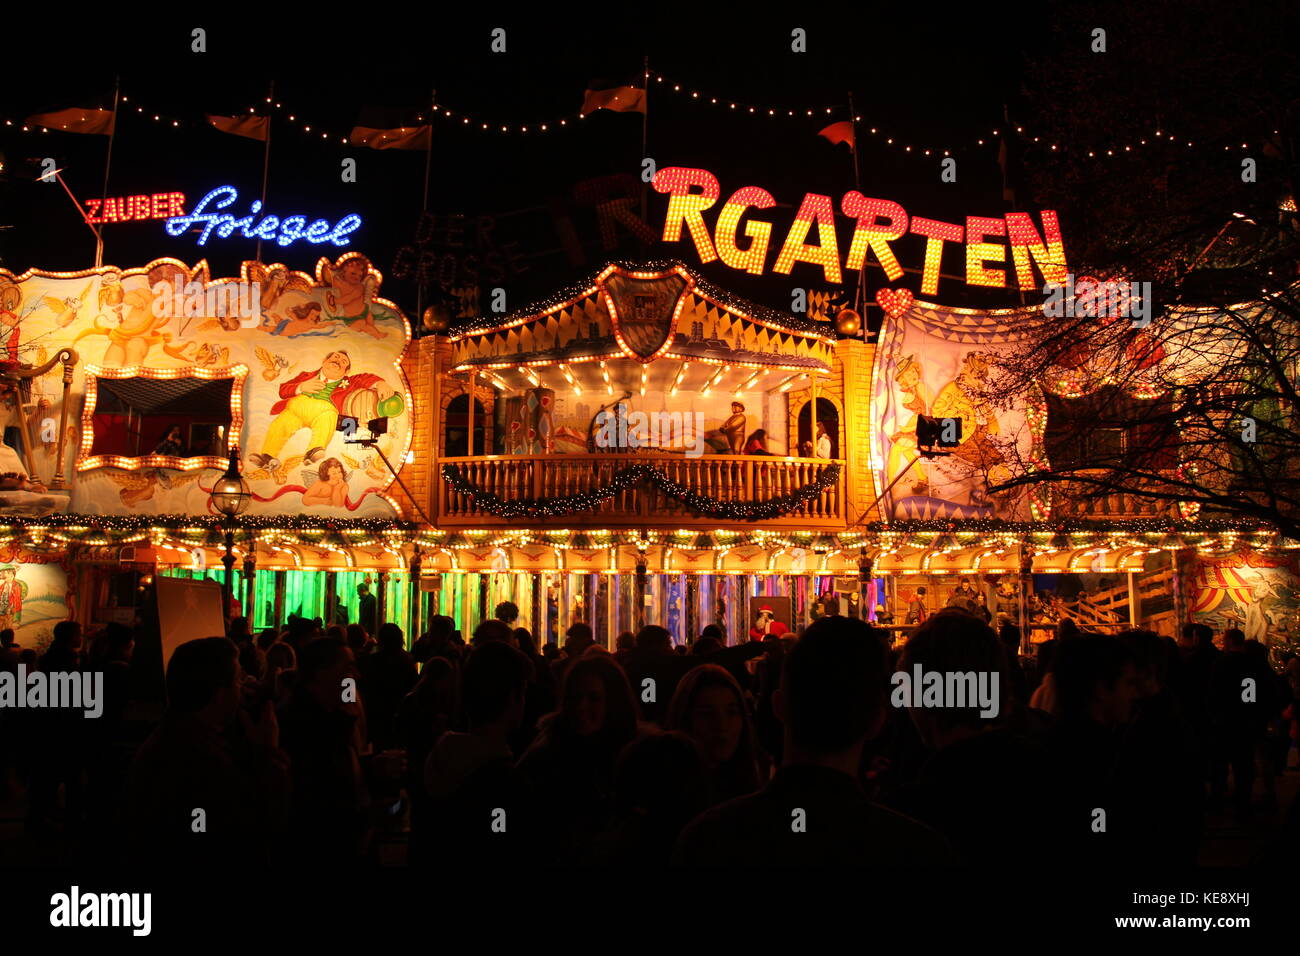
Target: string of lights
x=441, y=112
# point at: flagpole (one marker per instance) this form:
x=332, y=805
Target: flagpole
x=424, y=205
x=108, y=162
x=428, y=153
x=266, y=163
x=645, y=125
x=1006, y=163
x=857, y=184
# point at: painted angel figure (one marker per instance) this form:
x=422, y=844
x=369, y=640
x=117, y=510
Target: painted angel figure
x=330, y=487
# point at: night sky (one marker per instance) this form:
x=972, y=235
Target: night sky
x=940, y=92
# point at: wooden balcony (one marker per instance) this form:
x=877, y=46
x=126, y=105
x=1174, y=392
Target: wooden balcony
x=739, y=478
x=1071, y=501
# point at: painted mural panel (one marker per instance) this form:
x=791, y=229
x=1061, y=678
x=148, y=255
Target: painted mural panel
x=1260, y=595
x=322, y=355
x=935, y=362
x=33, y=596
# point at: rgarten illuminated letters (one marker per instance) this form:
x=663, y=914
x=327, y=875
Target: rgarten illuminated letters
x=877, y=224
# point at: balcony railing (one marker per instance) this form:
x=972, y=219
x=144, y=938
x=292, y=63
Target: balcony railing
x=1080, y=501
x=729, y=478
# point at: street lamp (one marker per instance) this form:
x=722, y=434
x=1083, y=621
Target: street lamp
x=229, y=496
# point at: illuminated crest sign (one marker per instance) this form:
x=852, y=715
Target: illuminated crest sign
x=644, y=311
x=284, y=231
x=877, y=223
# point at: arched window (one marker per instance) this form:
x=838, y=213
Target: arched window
x=456, y=428
x=829, y=415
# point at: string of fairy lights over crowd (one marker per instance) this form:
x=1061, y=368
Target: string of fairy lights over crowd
x=275, y=106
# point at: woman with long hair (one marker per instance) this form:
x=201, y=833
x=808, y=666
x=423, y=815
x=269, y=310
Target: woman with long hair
x=710, y=708
x=572, y=760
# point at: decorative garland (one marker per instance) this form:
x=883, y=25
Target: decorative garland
x=627, y=477
x=253, y=522
x=1025, y=528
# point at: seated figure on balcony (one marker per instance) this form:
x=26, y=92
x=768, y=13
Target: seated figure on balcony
x=757, y=444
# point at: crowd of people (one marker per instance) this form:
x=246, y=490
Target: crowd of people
x=327, y=745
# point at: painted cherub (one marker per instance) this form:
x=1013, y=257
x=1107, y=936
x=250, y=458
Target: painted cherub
x=351, y=289
x=331, y=487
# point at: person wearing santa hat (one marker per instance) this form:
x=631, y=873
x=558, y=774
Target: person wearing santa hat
x=766, y=623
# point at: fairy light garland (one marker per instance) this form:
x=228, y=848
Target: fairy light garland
x=626, y=478
x=461, y=120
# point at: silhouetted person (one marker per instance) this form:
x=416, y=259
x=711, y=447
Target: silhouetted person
x=982, y=784
x=1159, y=759
x=1096, y=687
x=709, y=707
x=576, y=641
x=572, y=760
x=57, y=737
x=435, y=641
x=659, y=786
x=329, y=819
x=387, y=675
x=493, y=630
x=367, y=609
x=507, y=612
x=1199, y=659
x=540, y=700
x=831, y=701
x=653, y=670
x=207, y=754
x=477, y=808
x=1241, y=698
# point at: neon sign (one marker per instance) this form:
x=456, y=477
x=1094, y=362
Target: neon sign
x=284, y=231
x=877, y=223
x=133, y=208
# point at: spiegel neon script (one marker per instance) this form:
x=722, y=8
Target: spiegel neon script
x=284, y=231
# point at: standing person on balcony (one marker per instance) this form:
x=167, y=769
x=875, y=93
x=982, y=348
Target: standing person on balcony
x=734, y=428
x=823, y=441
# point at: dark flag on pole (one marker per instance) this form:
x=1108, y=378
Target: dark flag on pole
x=92, y=117
x=379, y=128
x=620, y=98
x=841, y=132
x=254, y=127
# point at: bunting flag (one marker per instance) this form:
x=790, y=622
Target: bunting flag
x=254, y=127
x=841, y=132
x=404, y=137
x=619, y=99
x=77, y=120
x=382, y=127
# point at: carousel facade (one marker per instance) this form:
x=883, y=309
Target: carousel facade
x=643, y=447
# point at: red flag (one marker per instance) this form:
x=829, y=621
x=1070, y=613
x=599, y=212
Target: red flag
x=76, y=120
x=405, y=137
x=841, y=132
x=254, y=127
x=620, y=99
